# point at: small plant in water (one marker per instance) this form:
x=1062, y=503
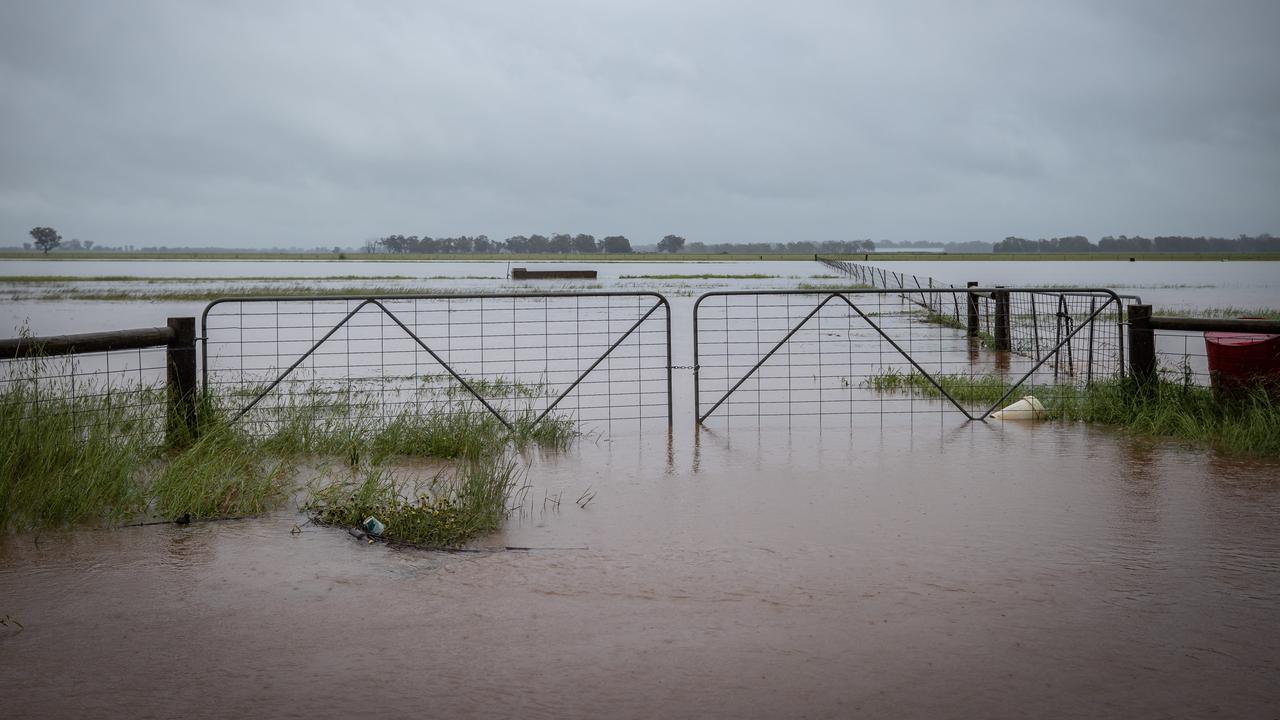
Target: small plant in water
x=452, y=508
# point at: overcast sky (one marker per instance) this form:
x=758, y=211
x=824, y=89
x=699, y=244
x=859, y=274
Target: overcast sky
x=326, y=123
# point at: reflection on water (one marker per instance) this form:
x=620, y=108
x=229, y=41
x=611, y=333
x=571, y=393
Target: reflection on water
x=867, y=567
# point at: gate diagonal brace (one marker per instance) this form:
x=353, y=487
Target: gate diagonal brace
x=1052, y=352
x=982, y=417
x=598, y=360
x=404, y=327
x=412, y=335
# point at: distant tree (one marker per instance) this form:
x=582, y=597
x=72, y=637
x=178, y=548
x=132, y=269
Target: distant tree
x=584, y=243
x=88, y=244
x=1075, y=243
x=517, y=244
x=538, y=244
x=615, y=244
x=561, y=243
x=671, y=244
x=1013, y=244
x=26, y=246
x=46, y=238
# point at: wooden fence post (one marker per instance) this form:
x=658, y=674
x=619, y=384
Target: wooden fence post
x=1142, y=344
x=973, y=310
x=180, y=359
x=1003, y=336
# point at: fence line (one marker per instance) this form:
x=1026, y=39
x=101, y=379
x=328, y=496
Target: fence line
x=606, y=357
x=1154, y=344
x=1022, y=323
x=143, y=380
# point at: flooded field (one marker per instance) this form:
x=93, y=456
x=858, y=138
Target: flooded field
x=905, y=564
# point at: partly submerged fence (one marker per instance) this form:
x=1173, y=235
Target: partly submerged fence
x=1024, y=322
x=601, y=358
x=1175, y=348
x=596, y=357
x=844, y=352
x=139, y=382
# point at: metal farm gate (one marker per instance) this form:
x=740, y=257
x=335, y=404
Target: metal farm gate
x=600, y=357
x=868, y=350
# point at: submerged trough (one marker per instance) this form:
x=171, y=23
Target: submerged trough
x=525, y=274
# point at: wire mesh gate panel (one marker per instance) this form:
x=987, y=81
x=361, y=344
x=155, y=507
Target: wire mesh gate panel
x=595, y=358
x=862, y=350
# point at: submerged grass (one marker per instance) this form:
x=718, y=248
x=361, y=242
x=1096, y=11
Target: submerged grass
x=61, y=461
x=222, y=474
x=1221, y=312
x=453, y=508
x=70, y=460
x=702, y=276
x=1246, y=423
x=187, y=293
x=934, y=318
x=831, y=286
x=964, y=388
x=34, y=279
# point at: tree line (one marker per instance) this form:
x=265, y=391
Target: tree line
x=564, y=243
x=795, y=248
x=557, y=243
x=47, y=238
x=1263, y=243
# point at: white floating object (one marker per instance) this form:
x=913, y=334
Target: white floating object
x=1028, y=408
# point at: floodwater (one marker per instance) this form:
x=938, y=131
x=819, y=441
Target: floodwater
x=941, y=570
x=905, y=565
x=1165, y=284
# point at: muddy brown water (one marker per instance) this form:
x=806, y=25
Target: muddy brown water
x=910, y=566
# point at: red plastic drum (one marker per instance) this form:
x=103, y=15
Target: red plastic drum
x=1238, y=360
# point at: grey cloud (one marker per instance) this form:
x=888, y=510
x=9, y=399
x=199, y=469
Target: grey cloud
x=315, y=123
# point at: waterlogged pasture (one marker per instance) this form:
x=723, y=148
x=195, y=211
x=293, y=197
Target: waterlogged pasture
x=1177, y=285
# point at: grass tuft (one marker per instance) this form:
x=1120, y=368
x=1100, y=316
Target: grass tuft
x=62, y=460
x=69, y=460
x=222, y=474
x=1247, y=423
x=984, y=388
x=453, y=509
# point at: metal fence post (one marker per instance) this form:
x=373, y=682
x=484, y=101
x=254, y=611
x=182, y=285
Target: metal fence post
x=973, y=310
x=1142, y=344
x=180, y=359
x=1002, y=334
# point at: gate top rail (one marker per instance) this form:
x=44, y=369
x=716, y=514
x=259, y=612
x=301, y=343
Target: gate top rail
x=1085, y=292
x=1191, y=324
